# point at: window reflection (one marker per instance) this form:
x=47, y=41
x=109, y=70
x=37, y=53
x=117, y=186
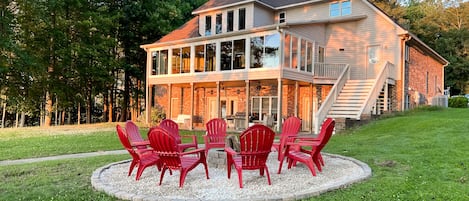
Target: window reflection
x=287, y=51
x=176, y=61
x=239, y=51
x=210, y=57
x=257, y=48
x=199, y=58
x=272, y=51
x=226, y=54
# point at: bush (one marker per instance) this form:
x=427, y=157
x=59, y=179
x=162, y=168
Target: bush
x=458, y=102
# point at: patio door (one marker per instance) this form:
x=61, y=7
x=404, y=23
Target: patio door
x=306, y=111
x=228, y=107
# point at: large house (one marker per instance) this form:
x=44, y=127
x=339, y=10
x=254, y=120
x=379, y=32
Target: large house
x=261, y=61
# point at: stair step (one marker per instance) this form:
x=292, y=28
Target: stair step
x=336, y=116
x=344, y=112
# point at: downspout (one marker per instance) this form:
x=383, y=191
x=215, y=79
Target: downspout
x=405, y=38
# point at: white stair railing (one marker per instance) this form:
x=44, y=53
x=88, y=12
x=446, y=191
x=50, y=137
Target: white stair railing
x=331, y=98
x=385, y=73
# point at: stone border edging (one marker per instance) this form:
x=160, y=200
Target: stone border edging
x=100, y=186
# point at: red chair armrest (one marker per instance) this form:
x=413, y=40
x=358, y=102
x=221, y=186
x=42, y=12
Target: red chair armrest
x=194, y=138
x=195, y=151
x=230, y=151
x=146, y=142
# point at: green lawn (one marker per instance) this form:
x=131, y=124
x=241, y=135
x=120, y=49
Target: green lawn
x=419, y=155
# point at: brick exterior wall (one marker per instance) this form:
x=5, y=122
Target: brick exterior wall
x=425, y=78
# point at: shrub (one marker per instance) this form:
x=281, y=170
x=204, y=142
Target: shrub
x=458, y=102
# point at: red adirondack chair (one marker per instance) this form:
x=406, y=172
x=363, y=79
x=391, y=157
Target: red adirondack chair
x=310, y=157
x=215, y=135
x=290, y=128
x=172, y=158
x=256, y=144
x=140, y=157
x=133, y=133
x=173, y=129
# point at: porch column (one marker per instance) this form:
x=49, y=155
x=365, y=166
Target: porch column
x=312, y=108
x=296, y=99
x=218, y=100
x=148, y=104
x=170, y=111
x=192, y=106
x=386, y=94
x=246, y=115
x=279, y=104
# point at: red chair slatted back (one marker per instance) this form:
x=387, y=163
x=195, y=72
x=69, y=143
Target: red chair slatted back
x=164, y=144
x=256, y=143
x=173, y=129
x=216, y=130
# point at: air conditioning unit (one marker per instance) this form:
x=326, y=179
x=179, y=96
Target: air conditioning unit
x=440, y=100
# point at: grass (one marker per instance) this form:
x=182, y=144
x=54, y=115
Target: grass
x=419, y=155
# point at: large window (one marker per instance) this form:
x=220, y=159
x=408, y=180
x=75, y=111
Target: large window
x=199, y=64
x=242, y=19
x=239, y=54
x=181, y=60
x=263, y=107
x=233, y=54
x=340, y=8
x=309, y=57
x=218, y=25
x=176, y=61
x=210, y=63
x=303, y=55
x=159, y=62
x=265, y=51
x=287, y=51
x=226, y=55
x=294, y=52
x=208, y=25
x=229, y=26
x=257, y=49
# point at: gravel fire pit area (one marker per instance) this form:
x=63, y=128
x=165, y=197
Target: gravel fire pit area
x=292, y=184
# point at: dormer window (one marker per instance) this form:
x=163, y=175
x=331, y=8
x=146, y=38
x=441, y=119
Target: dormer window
x=208, y=25
x=340, y=8
x=242, y=19
x=218, y=25
x=229, y=26
x=281, y=17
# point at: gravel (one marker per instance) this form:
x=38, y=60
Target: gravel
x=292, y=184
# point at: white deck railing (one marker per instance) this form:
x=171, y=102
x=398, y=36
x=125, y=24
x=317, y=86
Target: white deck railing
x=327, y=70
x=331, y=98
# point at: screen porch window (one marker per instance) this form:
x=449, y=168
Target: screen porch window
x=265, y=51
x=159, y=62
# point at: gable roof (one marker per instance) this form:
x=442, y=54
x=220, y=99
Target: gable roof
x=273, y=4
x=188, y=30
x=191, y=28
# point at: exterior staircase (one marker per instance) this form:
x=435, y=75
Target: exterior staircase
x=351, y=99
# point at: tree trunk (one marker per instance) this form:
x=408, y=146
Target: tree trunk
x=48, y=110
x=89, y=102
x=125, y=105
x=3, y=114
x=79, y=114
x=22, y=119
x=16, y=120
